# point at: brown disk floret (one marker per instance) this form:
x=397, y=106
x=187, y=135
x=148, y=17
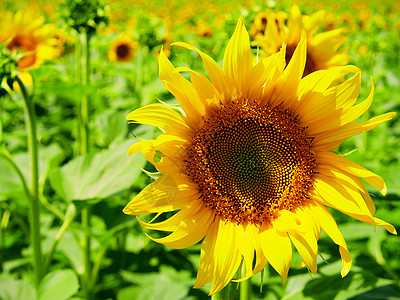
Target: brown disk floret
x=250, y=161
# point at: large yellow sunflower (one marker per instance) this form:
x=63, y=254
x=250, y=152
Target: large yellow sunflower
x=324, y=50
x=26, y=32
x=250, y=167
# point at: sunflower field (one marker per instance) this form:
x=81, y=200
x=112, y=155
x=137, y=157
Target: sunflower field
x=199, y=149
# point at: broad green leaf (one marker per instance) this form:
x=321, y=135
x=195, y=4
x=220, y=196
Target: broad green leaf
x=112, y=125
x=97, y=175
x=165, y=285
x=374, y=245
x=356, y=231
x=355, y=284
x=12, y=289
x=72, y=250
x=135, y=242
x=58, y=285
x=9, y=180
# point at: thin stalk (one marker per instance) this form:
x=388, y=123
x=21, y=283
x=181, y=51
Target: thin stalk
x=87, y=265
x=69, y=216
x=244, y=286
x=84, y=149
x=139, y=70
x=122, y=248
x=51, y=208
x=84, y=112
x=30, y=119
x=4, y=218
x=96, y=266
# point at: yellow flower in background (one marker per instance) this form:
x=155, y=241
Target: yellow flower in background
x=123, y=48
x=249, y=167
x=26, y=32
x=323, y=49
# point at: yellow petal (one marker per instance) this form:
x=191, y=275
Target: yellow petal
x=265, y=74
x=294, y=25
x=193, y=226
x=163, y=143
x=291, y=77
x=305, y=240
x=307, y=248
x=328, y=224
x=340, y=195
x=277, y=249
x=204, y=88
x=206, y=265
x=340, y=117
x=226, y=256
x=317, y=105
x=320, y=81
x=333, y=138
x=344, y=197
x=162, y=195
x=313, y=22
x=335, y=173
x=238, y=60
x=214, y=71
x=172, y=223
x=182, y=89
x=333, y=159
x=161, y=116
x=245, y=245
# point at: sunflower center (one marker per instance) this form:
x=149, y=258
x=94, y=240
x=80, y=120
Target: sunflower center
x=122, y=51
x=250, y=161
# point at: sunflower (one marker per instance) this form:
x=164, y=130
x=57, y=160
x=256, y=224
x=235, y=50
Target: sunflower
x=323, y=49
x=123, y=48
x=250, y=167
x=26, y=32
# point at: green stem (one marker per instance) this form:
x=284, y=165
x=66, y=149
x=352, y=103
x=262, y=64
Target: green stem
x=84, y=149
x=69, y=216
x=4, y=218
x=139, y=69
x=30, y=118
x=84, y=111
x=244, y=285
x=96, y=266
x=85, y=220
x=51, y=208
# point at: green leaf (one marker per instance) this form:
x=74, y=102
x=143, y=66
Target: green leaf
x=58, y=285
x=97, y=175
x=70, y=247
x=12, y=289
x=9, y=180
x=112, y=125
x=354, y=284
x=167, y=284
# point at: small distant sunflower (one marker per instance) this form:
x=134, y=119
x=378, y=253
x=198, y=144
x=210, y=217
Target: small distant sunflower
x=323, y=49
x=250, y=167
x=123, y=48
x=26, y=32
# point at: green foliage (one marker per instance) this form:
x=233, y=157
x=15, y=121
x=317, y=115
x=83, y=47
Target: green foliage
x=58, y=285
x=98, y=175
